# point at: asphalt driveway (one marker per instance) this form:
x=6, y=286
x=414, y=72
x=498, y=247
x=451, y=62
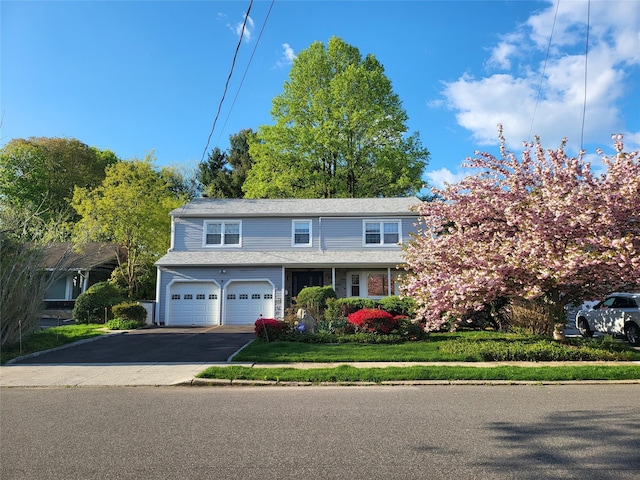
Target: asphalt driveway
x=152, y=345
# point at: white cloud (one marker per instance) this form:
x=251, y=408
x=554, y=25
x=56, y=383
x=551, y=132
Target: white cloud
x=439, y=178
x=287, y=57
x=248, y=28
x=512, y=97
x=506, y=49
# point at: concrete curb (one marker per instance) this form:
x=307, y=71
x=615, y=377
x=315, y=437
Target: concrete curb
x=219, y=382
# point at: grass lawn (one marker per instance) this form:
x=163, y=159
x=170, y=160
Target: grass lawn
x=447, y=347
x=346, y=373
x=444, y=347
x=51, y=338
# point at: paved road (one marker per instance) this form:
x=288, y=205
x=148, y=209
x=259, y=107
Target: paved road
x=152, y=345
x=320, y=433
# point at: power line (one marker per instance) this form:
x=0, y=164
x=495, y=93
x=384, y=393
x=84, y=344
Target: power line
x=226, y=86
x=544, y=68
x=586, y=56
x=246, y=70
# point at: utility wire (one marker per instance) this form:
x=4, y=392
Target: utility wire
x=245, y=71
x=544, y=68
x=586, y=57
x=226, y=86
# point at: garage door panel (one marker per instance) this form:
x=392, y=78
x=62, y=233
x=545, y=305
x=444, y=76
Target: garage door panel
x=247, y=301
x=194, y=303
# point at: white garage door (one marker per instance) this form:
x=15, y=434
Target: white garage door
x=194, y=303
x=246, y=301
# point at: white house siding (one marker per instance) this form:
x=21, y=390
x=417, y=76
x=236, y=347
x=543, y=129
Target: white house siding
x=171, y=275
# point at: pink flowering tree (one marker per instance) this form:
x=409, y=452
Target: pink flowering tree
x=537, y=227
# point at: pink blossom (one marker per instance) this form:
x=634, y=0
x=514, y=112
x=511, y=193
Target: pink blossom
x=542, y=224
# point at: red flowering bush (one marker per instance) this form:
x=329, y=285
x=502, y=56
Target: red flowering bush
x=373, y=320
x=270, y=328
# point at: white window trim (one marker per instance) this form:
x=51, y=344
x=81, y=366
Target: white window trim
x=364, y=285
x=222, y=245
x=381, y=221
x=293, y=232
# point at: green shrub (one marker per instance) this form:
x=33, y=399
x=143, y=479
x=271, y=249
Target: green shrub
x=315, y=298
x=122, y=324
x=530, y=349
x=90, y=305
x=339, y=326
x=410, y=329
x=396, y=305
x=130, y=311
x=363, y=338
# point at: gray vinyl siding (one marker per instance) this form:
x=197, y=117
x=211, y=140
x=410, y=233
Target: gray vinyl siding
x=341, y=233
x=347, y=233
x=257, y=234
x=187, y=234
x=274, y=233
x=274, y=274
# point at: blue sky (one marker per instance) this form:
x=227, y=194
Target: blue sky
x=136, y=77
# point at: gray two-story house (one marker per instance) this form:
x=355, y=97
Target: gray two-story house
x=232, y=261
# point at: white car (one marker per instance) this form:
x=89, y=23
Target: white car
x=617, y=314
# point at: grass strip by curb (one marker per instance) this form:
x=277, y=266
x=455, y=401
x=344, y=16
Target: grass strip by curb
x=347, y=373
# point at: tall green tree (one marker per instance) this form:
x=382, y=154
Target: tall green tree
x=340, y=131
x=40, y=173
x=182, y=181
x=131, y=209
x=223, y=174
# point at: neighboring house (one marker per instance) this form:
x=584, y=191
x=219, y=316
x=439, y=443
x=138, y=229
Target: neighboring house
x=234, y=260
x=79, y=268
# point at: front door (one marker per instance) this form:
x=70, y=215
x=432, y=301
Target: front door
x=306, y=279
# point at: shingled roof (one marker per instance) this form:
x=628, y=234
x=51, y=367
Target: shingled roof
x=343, y=259
x=63, y=255
x=233, y=207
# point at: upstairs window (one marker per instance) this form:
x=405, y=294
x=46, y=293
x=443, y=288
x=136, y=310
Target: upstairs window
x=222, y=233
x=381, y=232
x=301, y=234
